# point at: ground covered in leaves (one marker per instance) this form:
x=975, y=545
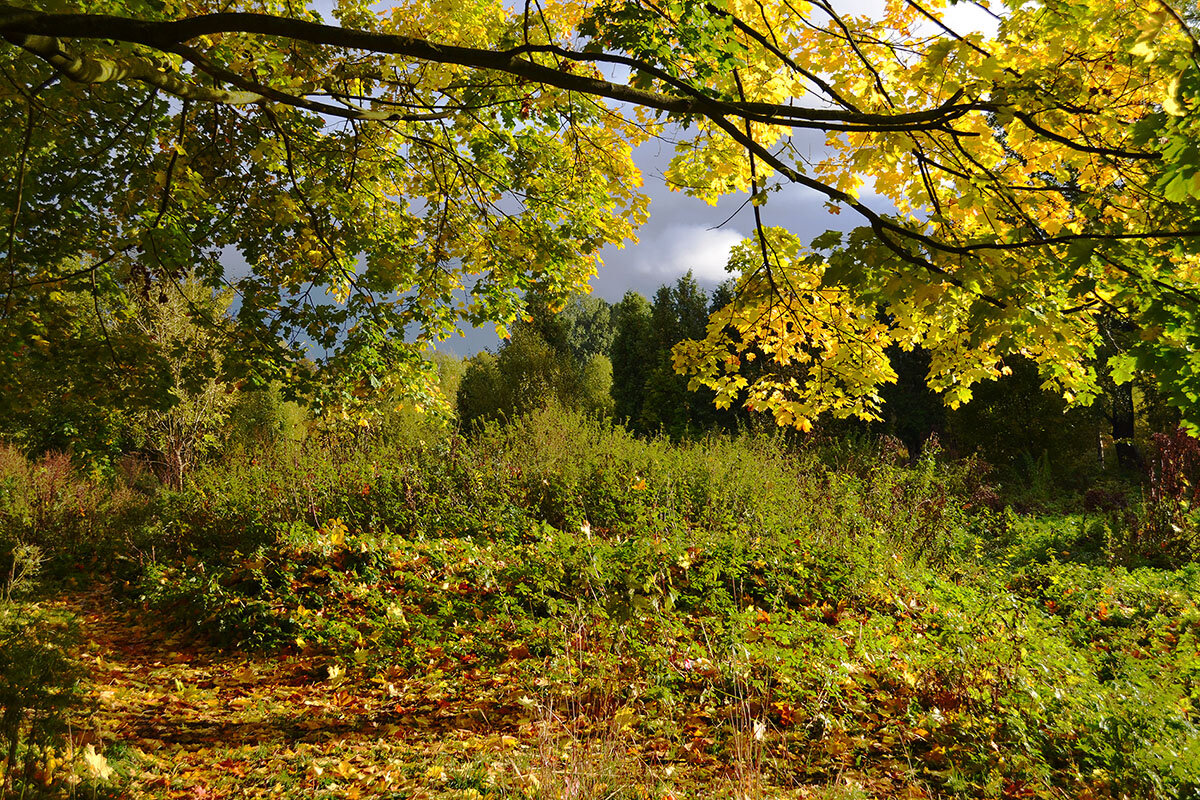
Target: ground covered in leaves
x=181, y=720
x=558, y=610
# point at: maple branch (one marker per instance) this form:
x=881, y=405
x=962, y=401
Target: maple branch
x=882, y=228
x=40, y=33
x=1033, y=125
x=84, y=69
x=1182, y=23
x=263, y=92
x=100, y=316
x=774, y=50
x=66, y=276
x=168, y=180
x=850, y=40
x=759, y=229
x=18, y=200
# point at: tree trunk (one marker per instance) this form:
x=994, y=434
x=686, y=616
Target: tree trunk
x=13, y=731
x=1129, y=458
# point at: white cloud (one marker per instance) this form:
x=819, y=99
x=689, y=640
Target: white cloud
x=969, y=18
x=677, y=248
x=962, y=18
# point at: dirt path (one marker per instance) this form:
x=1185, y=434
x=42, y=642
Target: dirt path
x=178, y=719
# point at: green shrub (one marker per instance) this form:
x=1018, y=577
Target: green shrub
x=1167, y=531
x=49, y=503
x=262, y=420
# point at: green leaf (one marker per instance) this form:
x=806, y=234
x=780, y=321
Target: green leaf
x=1123, y=366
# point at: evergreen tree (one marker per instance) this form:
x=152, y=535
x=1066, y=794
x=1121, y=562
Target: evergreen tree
x=679, y=312
x=1026, y=432
x=630, y=355
x=666, y=405
x=912, y=412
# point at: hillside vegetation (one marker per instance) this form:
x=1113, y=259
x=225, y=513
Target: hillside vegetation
x=555, y=608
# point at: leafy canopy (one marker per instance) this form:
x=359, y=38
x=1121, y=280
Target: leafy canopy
x=425, y=163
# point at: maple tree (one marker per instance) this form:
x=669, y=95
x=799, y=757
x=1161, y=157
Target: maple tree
x=426, y=163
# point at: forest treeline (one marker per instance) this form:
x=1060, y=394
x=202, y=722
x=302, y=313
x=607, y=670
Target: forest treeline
x=147, y=379
x=616, y=359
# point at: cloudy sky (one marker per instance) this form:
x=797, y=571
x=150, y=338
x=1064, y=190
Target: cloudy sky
x=683, y=234
x=687, y=234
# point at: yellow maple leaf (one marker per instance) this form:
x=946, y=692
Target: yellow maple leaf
x=97, y=764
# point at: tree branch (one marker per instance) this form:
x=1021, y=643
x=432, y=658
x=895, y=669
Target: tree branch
x=40, y=33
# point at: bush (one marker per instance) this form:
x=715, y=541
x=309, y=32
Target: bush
x=1168, y=531
x=263, y=420
x=582, y=506
x=47, y=502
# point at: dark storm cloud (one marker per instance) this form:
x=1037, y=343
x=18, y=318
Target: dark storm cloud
x=684, y=233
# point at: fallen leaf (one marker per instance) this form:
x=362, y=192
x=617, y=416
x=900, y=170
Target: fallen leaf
x=97, y=764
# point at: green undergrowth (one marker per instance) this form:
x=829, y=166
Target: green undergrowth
x=734, y=607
